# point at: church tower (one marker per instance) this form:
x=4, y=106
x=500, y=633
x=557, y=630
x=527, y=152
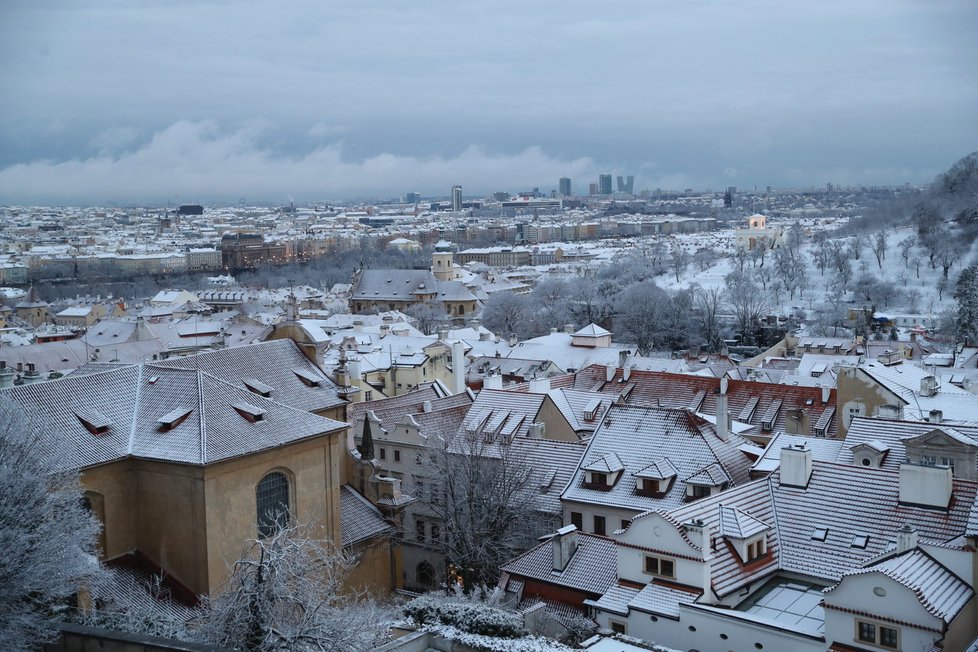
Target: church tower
x=442, y=261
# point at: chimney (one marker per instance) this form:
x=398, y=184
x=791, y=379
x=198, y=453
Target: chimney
x=564, y=543
x=553, y=330
x=699, y=533
x=539, y=385
x=928, y=386
x=443, y=335
x=426, y=406
x=906, y=538
x=935, y=416
x=354, y=367
x=826, y=392
x=796, y=465
x=623, y=357
x=609, y=373
x=913, y=336
x=495, y=381
x=927, y=486
x=536, y=430
x=723, y=413
x=484, y=336
x=512, y=339
x=569, y=329
x=890, y=412
x=458, y=367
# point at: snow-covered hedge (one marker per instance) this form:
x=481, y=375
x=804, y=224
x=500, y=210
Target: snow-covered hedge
x=470, y=617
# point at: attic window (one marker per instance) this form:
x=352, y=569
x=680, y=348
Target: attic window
x=152, y=380
x=820, y=534
x=258, y=387
x=308, y=378
x=859, y=541
x=94, y=421
x=171, y=420
x=591, y=411
x=250, y=412
x=548, y=480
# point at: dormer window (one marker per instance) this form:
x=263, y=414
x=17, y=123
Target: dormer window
x=602, y=473
x=250, y=412
x=94, y=421
x=757, y=548
x=172, y=419
x=308, y=378
x=258, y=387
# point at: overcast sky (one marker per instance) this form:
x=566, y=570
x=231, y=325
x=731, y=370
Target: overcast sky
x=116, y=101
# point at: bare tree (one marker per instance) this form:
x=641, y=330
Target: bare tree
x=679, y=261
x=747, y=302
x=856, y=245
x=879, y=247
x=47, y=534
x=704, y=258
x=480, y=492
x=707, y=305
x=906, y=249
x=288, y=592
x=507, y=314
x=948, y=250
x=428, y=317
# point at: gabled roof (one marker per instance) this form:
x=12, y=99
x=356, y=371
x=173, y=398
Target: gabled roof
x=607, y=463
x=942, y=593
x=747, y=401
x=661, y=469
x=711, y=475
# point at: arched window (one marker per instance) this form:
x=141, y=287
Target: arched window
x=272, y=497
x=426, y=574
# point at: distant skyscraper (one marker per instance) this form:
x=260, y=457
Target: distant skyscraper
x=626, y=186
x=593, y=189
x=412, y=198
x=565, y=187
x=604, y=184
x=456, y=198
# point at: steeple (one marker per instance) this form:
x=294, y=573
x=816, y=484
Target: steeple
x=366, y=446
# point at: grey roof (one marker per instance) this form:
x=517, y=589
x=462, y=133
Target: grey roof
x=134, y=399
x=592, y=568
x=740, y=525
x=272, y=364
x=660, y=469
x=641, y=437
x=359, y=520
x=942, y=593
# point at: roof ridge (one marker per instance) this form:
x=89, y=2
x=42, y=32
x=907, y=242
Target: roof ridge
x=201, y=417
x=777, y=521
x=135, y=409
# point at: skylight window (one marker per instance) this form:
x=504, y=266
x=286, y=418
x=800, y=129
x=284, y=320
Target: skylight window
x=820, y=534
x=307, y=377
x=94, y=421
x=860, y=541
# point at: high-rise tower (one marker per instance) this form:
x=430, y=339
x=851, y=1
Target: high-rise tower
x=456, y=198
x=565, y=186
x=604, y=184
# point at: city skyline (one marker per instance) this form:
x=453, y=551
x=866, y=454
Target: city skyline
x=112, y=104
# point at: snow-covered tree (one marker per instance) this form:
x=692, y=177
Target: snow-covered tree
x=641, y=311
x=966, y=294
x=427, y=317
x=289, y=592
x=47, y=535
